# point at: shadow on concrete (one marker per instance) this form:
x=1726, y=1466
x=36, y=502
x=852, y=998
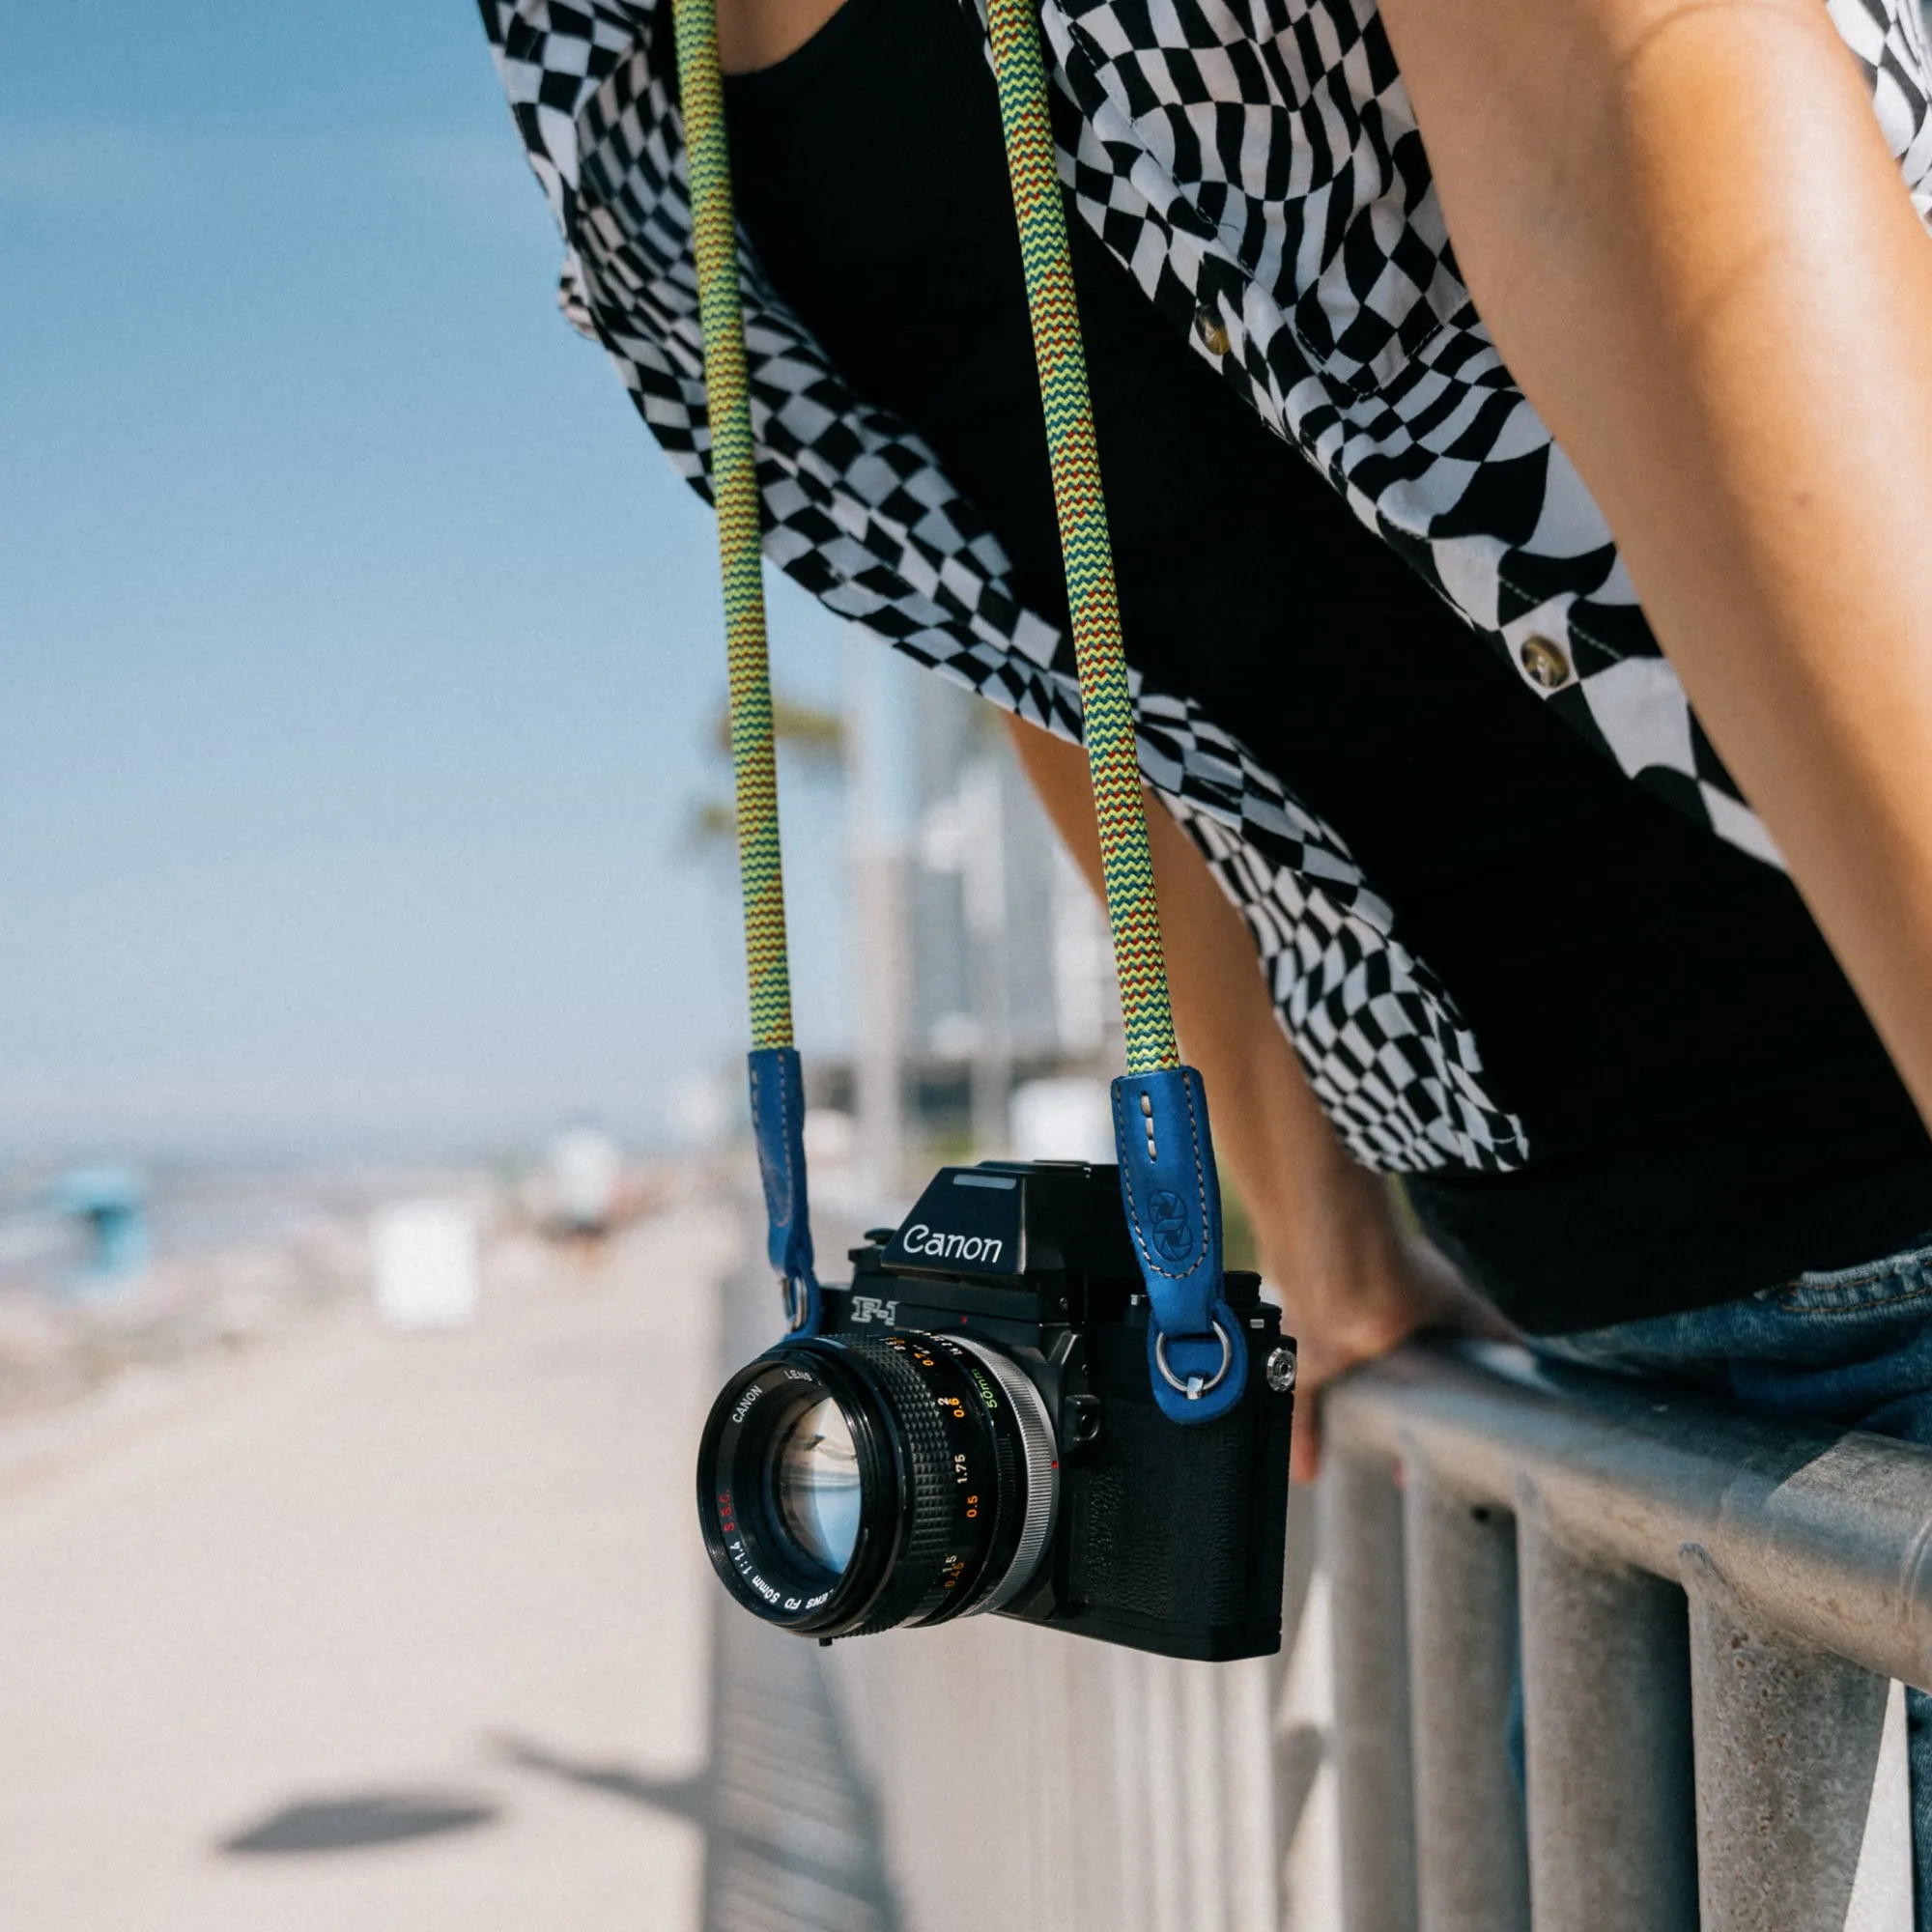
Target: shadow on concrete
x=688, y=1797
x=359, y=1819
x=796, y=1839
x=791, y=1827
x=791, y=1833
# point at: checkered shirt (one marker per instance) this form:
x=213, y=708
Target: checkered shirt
x=1256, y=165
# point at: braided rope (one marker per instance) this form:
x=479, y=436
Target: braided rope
x=1112, y=753
x=734, y=490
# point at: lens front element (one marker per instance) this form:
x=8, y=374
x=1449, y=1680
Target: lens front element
x=854, y=1484
x=818, y=1481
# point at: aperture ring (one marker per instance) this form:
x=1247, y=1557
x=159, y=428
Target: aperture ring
x=1040, y=1474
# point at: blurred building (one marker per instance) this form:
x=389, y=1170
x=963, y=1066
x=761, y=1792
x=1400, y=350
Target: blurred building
x=1011, y=975
x=980, y=966
x=980, y=963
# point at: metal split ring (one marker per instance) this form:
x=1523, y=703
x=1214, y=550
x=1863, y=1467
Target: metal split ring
x=797, y=1299
x=1194, y=1388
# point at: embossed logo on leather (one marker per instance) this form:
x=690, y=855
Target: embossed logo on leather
x=1171, y=1228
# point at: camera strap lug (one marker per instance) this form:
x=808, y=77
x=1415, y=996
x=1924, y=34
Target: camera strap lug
x=1197, y=1350
x=777, y=1123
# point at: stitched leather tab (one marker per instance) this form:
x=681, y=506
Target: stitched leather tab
x=1172, y=1201
x=777, y=1123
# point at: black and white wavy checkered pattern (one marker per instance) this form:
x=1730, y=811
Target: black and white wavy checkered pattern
x=1394, y=1066
x=1256, y=165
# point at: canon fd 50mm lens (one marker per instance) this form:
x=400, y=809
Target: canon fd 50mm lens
x=853, y=1485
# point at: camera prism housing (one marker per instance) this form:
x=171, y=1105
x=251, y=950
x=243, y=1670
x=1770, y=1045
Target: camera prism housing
x=973, y=1431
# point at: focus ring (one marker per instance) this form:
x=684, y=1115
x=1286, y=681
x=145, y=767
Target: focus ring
x=930, y=1510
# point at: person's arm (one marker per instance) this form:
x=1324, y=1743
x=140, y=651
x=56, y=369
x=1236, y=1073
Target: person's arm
x=1681, y=224
x=1353, y=1283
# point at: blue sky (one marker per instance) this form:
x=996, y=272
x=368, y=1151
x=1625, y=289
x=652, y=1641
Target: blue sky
x=357, y=648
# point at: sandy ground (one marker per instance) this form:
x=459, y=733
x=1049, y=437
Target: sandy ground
x=368, y=1632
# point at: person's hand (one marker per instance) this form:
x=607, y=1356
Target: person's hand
x=1398, y=1287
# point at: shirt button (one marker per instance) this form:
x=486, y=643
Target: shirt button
x=1545, y=662
x=1208, y=326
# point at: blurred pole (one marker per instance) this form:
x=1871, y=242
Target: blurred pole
x=424, y=1265
x=876, y=847
x=1084, y=991
x=984, y=881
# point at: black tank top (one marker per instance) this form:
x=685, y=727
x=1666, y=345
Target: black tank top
x=1707, y=1111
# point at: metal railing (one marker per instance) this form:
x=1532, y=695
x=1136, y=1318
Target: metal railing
x=1711, y=1607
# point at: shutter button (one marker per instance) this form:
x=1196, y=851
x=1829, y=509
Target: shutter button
x=1208, y=326
x=1545, y=662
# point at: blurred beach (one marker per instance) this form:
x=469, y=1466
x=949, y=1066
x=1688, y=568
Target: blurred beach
x=313, y=1622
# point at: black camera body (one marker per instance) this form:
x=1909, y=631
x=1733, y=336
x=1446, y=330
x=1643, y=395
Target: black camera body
x=1010, y=1305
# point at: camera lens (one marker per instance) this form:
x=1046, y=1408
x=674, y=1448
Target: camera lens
x=817, y=1485
x=853, y=1484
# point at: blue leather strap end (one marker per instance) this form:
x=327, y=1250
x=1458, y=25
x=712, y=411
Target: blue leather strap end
x=778, y=1120
x=1173, y=1198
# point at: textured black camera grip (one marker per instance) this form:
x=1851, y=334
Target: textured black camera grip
x=1160, y=1529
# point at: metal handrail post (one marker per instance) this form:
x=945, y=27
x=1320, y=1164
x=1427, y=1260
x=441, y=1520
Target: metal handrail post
x=1362, y=1532
x=1787, y=1748
x=1606, y=1720
x=1472, y=1870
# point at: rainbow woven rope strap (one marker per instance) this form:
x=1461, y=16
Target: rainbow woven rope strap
x=778, y=1093
x=1111, y=753
x=1197, y=1350
x=734, y=490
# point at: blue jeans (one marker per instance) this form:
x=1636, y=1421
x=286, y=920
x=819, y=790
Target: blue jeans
x=1851, y=1348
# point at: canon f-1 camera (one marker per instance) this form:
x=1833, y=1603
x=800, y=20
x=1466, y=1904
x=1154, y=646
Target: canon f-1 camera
x=972, y=1430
